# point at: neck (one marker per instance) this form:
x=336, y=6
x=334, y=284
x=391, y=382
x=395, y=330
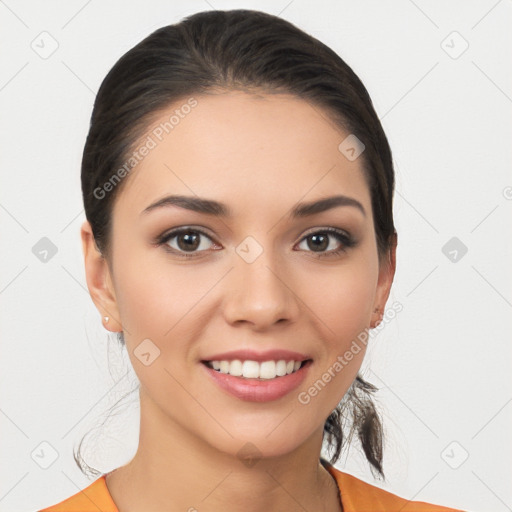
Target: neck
x=175, y=470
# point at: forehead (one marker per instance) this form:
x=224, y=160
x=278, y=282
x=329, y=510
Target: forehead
x=259, y=150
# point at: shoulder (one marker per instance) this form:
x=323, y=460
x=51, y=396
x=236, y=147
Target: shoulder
x=91, y=499
x=359, y=496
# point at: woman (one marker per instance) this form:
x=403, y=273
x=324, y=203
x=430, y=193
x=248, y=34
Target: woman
x=238, y=191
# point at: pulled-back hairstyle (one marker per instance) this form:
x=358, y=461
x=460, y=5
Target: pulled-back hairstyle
x=249, y=51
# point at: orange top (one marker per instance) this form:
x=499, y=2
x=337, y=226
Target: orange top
x=356, y=496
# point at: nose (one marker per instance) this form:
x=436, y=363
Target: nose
x=259, y=294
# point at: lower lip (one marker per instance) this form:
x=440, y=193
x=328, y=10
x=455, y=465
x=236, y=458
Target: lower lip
x=255, y=390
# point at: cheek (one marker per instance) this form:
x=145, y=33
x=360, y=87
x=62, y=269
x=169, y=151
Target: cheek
x=160, y=302
x=343, y=300
x=343, y=304
x=155, y=295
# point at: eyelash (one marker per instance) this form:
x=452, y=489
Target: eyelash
x=344, y=238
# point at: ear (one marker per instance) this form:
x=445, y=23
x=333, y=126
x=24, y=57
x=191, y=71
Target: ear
x=99, y=281
x=387, y=267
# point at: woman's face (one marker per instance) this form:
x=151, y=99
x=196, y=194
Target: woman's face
x=264, y=278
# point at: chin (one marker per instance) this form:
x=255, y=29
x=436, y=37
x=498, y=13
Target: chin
x=255, y=440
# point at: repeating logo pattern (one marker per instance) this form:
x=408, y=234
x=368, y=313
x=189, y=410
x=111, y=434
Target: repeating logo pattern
x=454, y=236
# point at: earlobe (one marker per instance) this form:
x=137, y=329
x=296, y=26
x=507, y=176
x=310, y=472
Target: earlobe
x=376, y=317
x=98, y=280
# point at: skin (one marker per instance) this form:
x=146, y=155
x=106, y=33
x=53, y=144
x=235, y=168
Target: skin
x=260, y=155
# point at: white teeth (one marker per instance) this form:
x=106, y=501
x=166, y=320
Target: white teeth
x=268, y=370
x=250, y=369
x=235, y=368
x=281, y=368
x=254, y=370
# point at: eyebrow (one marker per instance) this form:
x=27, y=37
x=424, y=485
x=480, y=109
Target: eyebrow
x=211, y=207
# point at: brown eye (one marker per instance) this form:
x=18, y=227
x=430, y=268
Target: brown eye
x=186, y=241
x=327, y=242
x=318, y=242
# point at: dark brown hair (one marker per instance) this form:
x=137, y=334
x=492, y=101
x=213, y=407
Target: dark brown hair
x=255, y=52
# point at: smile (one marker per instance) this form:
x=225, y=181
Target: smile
x=248, y=369
x=257, y=381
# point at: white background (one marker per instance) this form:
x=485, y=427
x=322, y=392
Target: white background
x=443, y=364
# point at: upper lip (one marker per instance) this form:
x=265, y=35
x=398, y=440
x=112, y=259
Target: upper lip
x=252, y=355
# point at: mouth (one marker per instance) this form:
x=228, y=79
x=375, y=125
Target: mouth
x=265, y=380
x=256, y=370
